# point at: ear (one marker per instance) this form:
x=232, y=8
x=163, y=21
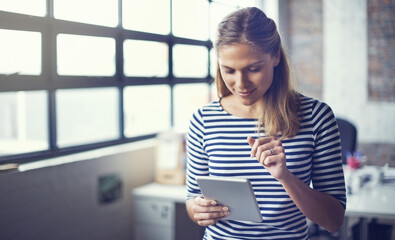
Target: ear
x=277, y=59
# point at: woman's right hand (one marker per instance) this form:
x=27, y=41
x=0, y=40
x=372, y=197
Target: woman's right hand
x=207, y=212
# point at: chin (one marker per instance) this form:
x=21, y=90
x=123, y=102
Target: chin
x=247, y=102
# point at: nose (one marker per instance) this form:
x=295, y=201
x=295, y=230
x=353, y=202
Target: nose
x=241, y=81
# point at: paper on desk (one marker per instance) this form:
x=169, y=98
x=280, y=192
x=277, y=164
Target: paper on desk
x=168, y=154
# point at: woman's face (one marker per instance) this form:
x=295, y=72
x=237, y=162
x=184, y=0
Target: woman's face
x=246, y=71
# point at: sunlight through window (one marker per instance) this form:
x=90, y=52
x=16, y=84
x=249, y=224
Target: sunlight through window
x=85, y=55
x=29, y=7
x=98, y=12
x=20, y=52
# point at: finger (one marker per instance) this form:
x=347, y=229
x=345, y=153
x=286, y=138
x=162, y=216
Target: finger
x=258, y=142
x=201, y=201
x=211, y=215
x=265, y=154
x=205, y=223
x=250, y=141
x=277, y=150
x=203, y=209
x=259, y=152
x=279, y=158
x=270, y=161
x=266, y=144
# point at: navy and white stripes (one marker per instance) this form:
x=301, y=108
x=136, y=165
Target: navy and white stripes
x=217, y=146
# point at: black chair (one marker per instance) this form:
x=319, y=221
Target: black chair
x=348, y=141
x=348, y=137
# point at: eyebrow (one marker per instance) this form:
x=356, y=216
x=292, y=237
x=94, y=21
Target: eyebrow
x=259, y=62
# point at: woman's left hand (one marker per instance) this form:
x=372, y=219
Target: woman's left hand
x=270, y=153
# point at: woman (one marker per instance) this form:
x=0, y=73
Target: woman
x=264, y=131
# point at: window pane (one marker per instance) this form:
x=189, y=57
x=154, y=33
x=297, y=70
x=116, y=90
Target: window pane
x=86, y=116
x=213, y=63
x=85, y=55
x=20, y=52
x=145, y=58
x=147, y=109
x=138, y=15
x=213, y=92
x=217, y=13
x=30, y=7
x=190, y=19
x=98, y=12
x=187, y=99
x=190, y=61
x=23, y=122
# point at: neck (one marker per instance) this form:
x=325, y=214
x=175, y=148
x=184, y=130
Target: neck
x=234, y=107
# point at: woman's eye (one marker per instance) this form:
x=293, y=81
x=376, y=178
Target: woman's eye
x=229, y=71
x=256, y=69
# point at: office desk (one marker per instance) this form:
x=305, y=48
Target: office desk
x=160, y=210
x=159, y=213
x=372, y=201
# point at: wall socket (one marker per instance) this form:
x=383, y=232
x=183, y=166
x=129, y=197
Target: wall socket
x=110, y=188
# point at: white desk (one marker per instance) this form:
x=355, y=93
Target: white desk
x=159, y=213
x=371, y=201
x=157, y=207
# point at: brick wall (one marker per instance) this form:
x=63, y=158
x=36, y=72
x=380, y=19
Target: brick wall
x=305, y=45
x=378, y=154
x=381, y=50
x=305, y=50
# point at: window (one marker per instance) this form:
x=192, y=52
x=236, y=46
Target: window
x=23, y=122
x=86, y=115
x=85, y=74
x=85, y=55
x=187, y=98
x=145, y=58
x=30, y=7
x=190, y=61
x=191, y=19
x=138, y=15
x=20, y=52
x=146, y=109
x=98, y=12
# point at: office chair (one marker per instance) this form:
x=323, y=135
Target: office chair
x=348, y=137
x=348, y=141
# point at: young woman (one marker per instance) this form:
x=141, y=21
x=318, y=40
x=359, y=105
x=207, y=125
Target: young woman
x=261, y=129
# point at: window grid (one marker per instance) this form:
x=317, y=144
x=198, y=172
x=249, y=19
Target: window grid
x=49, y=80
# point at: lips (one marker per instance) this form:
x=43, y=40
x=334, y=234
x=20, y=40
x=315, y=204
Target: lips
x=245, y=93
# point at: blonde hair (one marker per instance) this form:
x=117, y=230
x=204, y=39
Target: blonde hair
x=251, y=26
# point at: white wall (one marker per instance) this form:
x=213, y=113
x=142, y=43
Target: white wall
x=346, y=71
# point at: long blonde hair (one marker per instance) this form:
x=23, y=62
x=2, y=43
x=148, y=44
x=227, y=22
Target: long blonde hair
x=281, y=102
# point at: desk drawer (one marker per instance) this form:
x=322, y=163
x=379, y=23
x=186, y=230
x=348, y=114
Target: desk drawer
x=152, y=211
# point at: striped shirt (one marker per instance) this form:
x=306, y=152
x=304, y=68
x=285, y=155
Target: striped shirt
x=217, y=146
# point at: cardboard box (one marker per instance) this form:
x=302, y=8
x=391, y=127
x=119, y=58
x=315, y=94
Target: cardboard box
x=171, y=158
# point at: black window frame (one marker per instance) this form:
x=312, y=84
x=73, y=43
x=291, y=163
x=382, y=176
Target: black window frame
x=50, y=81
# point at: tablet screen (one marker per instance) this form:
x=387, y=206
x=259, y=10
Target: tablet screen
x=236, y=193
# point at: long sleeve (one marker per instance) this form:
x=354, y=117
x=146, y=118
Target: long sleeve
x=197, y=159
x=327, y=172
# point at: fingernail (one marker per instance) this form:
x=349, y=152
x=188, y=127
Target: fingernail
x=225, y=209
x=226, y=213
x=213, y=203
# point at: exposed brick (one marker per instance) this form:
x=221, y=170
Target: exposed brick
x=381, y=50
x=378, y=154
x=305, y=45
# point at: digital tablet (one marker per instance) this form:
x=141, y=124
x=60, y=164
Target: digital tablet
x=235, y=193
